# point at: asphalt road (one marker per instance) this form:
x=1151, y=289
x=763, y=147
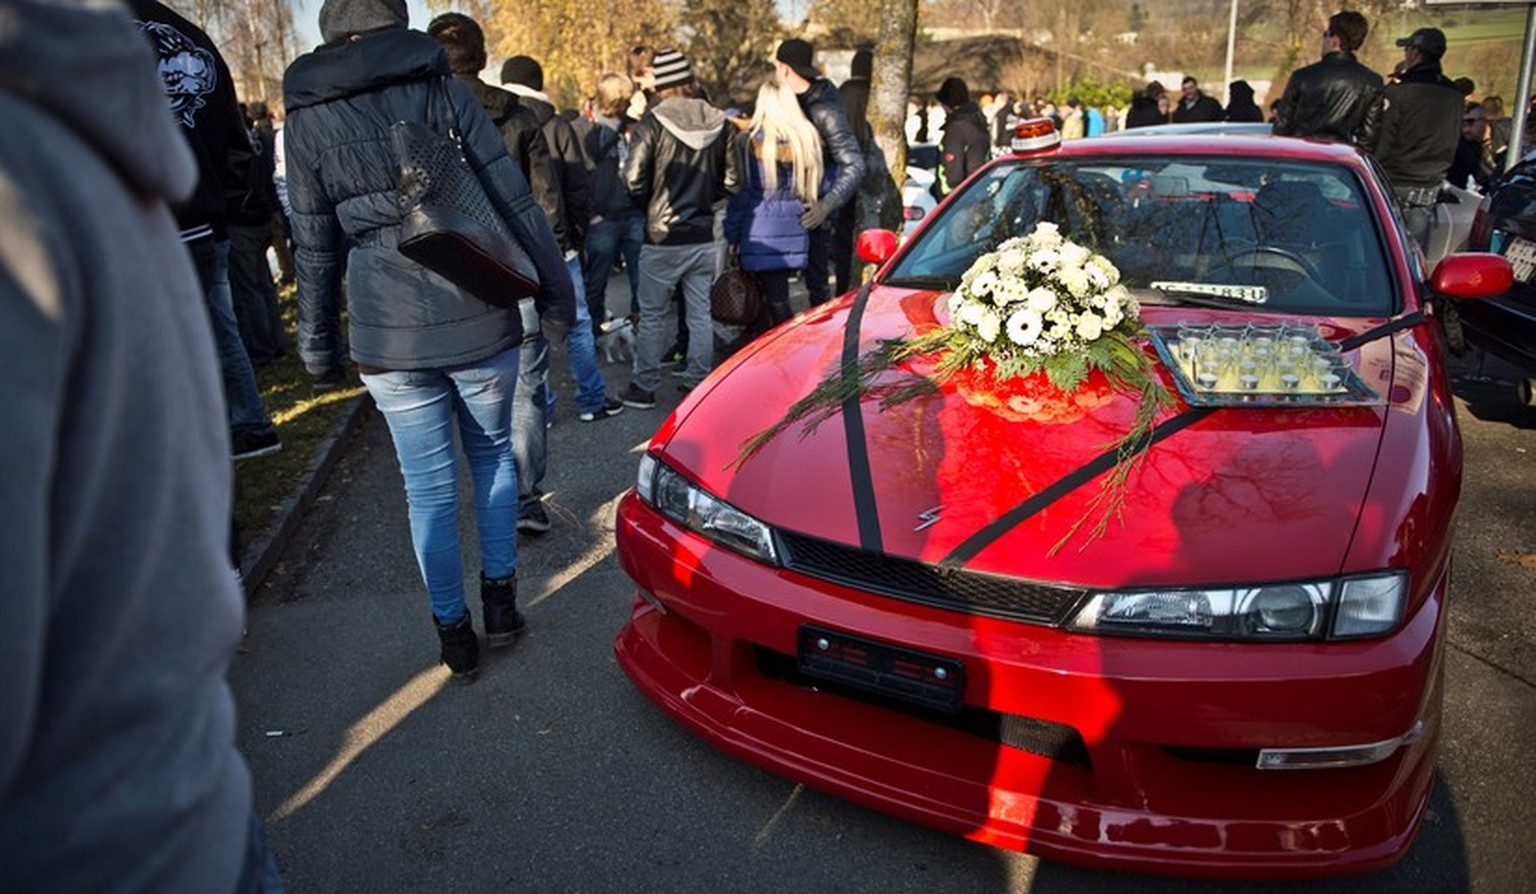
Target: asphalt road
x=553, y=774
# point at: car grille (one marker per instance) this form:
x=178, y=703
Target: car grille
x=950, y=588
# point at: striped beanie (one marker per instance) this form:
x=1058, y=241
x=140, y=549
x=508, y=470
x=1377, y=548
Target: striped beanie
x=671, y=68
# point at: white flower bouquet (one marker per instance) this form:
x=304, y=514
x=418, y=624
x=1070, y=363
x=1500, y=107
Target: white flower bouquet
x=1039, y=330
x=1042, y=303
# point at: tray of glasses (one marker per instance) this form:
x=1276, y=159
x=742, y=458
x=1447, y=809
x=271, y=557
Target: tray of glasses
x=1255, y=366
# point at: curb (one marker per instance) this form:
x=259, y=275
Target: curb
x=261, y=553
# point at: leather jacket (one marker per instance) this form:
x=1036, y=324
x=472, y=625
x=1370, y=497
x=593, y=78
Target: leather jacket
x=1332, y=99
x=679, y=166
x=1420, y=128
x=843, y=162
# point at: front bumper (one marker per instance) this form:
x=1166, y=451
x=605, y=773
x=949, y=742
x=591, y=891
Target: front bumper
x=1167, y=731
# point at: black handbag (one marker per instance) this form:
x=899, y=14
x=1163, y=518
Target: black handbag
x=734, y=299
x=448, y=224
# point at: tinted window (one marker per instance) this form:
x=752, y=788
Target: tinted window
x=1302, y=231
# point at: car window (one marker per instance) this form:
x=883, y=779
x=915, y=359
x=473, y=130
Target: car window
x=1302, y=231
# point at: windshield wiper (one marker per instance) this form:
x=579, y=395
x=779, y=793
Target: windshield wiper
x=1209, y=294
x=939, y=283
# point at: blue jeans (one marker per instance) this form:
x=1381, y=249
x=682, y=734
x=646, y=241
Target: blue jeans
x=259, y=875
x=531, y=407
x=581, y=350
x=608, y=239
x=242, y=398
x=421, y=407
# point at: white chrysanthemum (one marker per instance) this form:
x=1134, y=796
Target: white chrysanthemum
x=1090, y=326
x=984, y=283
x=1075, y=280
x=1097, y=277
x=990, y=325
x=1040, y=299
x=1012, y=261
x=1044, y=260
x=1024, y=327
x=1047, y=234
x=1106, y=267
x=956, y=298
x=1074, y=255
x=971, y=312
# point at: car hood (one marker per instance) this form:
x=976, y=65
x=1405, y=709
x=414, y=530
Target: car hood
x=1240, y=494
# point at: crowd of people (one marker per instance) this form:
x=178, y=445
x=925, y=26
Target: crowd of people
x=169, y=229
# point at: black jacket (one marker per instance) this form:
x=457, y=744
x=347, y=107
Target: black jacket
x=1420, y=127
x=342, y=174
x=1205, y=108
x=1335, y=98
x=525, y=142
x=842, y=162
x=965, y=146
x=570, y=172
x=679, y=166
x=606, y=146
x=204, y=104
x=1144, y=112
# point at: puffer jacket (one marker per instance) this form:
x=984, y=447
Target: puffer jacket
x=1332, y=99
x=525, y=142
x=679, y=166
x=1420, y=128
x=765, y=226
x=341, y=100
x=842, y=161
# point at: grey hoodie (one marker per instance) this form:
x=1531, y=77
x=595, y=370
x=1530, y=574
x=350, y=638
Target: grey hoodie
x=118, y=610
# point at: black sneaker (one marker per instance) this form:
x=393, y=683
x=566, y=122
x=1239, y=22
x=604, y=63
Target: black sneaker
x=610, y=407
x=329, y=380
x=637, y=397
x=533, y=519
x=461, y=648
x=249, y=445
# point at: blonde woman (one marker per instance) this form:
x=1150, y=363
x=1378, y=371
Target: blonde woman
x=781, y=160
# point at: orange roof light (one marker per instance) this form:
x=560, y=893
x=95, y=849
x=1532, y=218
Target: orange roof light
x=1035, y=135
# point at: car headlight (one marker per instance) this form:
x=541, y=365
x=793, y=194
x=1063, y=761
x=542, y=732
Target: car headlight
x=702, y=512
x=1332, y=609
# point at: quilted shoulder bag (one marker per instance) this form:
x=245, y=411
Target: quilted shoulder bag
x=448, y=224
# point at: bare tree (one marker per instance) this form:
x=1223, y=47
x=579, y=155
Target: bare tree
x=729, y=42
x=257, y=39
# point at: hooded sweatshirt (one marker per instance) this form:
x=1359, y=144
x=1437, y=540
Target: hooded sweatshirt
x=118, y=768
x=678, y=168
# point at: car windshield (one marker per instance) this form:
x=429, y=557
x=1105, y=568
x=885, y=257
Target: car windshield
x=1290, y=236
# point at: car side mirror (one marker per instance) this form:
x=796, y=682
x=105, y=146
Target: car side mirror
x=876, y=246
x=1472, y=275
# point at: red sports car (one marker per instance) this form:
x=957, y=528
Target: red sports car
x=1238, y=672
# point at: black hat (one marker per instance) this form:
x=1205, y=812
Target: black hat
x=339, y=18
x=953, y=93
x=524, y=71
x=1429, y=41
x=799, y=56
x=863, y=64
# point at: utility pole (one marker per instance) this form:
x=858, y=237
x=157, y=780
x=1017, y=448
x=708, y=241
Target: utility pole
x=1226, y=88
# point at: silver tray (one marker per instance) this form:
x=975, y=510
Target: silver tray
x=1301, y=368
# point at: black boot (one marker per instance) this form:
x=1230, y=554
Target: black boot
x=461, y=650
x=503, y=622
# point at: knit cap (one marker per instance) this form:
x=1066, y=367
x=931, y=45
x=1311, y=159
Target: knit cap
x=340, y=18
x=671, y=68
x=524, y=71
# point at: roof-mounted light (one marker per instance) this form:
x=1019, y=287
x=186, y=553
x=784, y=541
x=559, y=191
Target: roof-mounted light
x=1035, y=135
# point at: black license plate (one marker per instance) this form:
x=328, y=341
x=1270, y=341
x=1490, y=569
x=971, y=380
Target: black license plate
x=881, y=668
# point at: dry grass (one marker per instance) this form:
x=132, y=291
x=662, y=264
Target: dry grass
x=304, y=419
